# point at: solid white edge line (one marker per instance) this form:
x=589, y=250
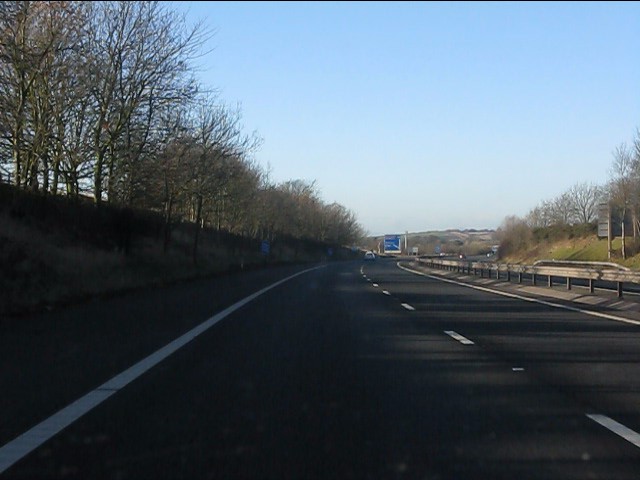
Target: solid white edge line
x=24, y=444
x=526, y=299
x=617, y=428
x=408, y=307
x=458, y=337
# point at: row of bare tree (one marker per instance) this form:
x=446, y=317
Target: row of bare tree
x=624, y=188
x=577, y=205
x=99, y=99
x=580, y=204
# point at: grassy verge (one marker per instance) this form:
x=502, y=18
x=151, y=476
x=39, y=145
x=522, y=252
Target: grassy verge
x=54, y=253
x=590, y=249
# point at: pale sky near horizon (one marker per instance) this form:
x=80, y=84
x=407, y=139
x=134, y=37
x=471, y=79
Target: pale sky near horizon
x=429, y=115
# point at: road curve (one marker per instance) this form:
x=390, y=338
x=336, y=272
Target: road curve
x=354, y=370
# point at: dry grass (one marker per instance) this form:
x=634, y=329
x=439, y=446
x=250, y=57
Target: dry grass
x=44, y=269
x=590, y=249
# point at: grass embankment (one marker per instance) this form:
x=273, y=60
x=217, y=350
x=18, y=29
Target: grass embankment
x=55, y=252
x=591, y=249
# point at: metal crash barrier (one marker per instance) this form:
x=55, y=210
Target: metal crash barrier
x=568, y=270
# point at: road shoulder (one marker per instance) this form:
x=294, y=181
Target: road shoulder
x=602, y=304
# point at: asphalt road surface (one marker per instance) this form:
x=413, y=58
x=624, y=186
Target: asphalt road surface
x=350, y=370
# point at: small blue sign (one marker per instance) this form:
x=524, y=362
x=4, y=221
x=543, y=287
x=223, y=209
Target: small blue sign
x=265, y=247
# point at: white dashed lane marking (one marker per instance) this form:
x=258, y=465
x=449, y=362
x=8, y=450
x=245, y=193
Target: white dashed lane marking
x=458, y=337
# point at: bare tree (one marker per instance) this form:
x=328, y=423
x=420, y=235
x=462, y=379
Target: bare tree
x=167, y=173
x=31, y=36
x=538, y=217
x=562, y=209
x=140, y=57
x=623, y=185
x=584, y=199
x=219, y=141
x=514, y=235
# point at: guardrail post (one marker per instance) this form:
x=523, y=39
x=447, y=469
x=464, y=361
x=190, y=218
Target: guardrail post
x=508, y=275
x=519, y=277
x=549, y=281
x=568, y=283
x=533, y=279
x=482, y=273
x=619, y=289
x=497, y=273
x=591, y=287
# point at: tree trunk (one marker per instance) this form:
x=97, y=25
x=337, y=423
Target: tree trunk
x=55, y=180
x=624, y=243
x=197, y=227
x=97, y=181
x=167, y=224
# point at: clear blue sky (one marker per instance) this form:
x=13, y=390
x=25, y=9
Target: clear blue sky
x=421, y=116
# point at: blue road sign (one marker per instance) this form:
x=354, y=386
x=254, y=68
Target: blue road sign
x=392, y=244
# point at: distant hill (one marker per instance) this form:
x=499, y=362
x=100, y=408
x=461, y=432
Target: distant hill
x=453, y=234
x=469, y=242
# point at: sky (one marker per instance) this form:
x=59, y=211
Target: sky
x=423, y=116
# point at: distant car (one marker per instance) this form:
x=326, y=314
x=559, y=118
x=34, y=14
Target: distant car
x=369, y=256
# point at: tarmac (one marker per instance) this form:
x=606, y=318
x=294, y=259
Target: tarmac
x=602, y=303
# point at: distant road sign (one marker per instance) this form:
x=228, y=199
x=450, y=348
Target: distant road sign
x=604, y=217
x=392, y=244
x=603, y=220
x=265, y=247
